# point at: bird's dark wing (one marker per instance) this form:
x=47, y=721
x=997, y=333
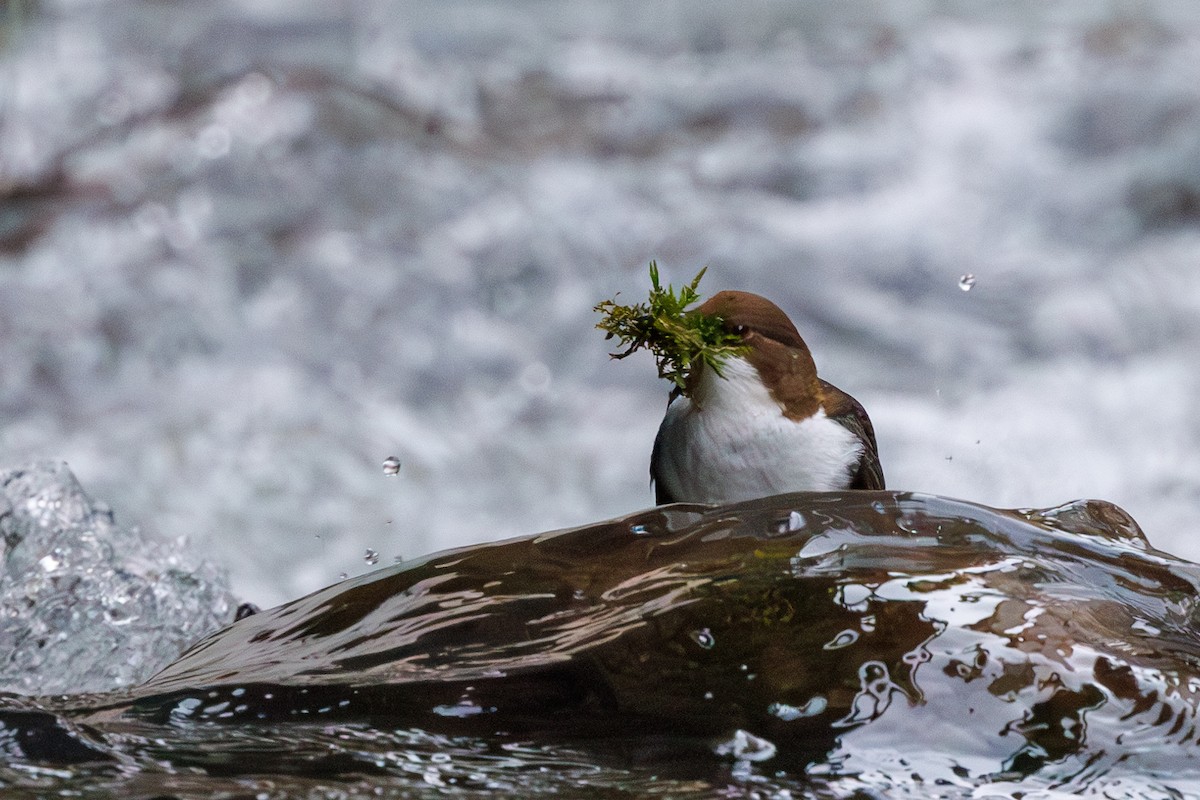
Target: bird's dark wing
x=661, y=494
x=849, y=413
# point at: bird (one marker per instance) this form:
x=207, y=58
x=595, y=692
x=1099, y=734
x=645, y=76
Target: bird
x=763, y=424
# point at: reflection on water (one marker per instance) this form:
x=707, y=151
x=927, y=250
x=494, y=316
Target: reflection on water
x=893, y=643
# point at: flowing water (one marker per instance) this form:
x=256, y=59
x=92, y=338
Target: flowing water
x=250, y=250
x=882, y=644
x=304, y=288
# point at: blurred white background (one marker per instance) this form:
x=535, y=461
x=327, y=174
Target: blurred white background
x=251, y=248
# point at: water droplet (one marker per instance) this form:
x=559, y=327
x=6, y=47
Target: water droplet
x=704, y=638
x=639, y=530
x=398, y=560
x=342, y=576
x=371, y=557
x=708, y=695
x=879, y=507
x=391, y=466
x=578, y=594
x=966, y=282
x=49, y=563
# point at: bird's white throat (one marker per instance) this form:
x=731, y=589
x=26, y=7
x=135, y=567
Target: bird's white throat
x=732, y=442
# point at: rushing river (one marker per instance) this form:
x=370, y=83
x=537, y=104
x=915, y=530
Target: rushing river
x=249, y=250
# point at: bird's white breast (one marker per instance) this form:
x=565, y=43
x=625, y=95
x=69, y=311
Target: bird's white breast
x=734, y=443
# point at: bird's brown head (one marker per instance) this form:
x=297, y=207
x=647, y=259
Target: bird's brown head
x=776, y=349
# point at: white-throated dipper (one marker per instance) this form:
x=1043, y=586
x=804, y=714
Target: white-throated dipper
x=766, y=424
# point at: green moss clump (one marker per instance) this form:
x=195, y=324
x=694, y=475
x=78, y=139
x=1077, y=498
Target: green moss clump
x=678, y=338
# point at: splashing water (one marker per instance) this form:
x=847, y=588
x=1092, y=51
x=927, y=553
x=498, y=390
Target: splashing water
x=86, y=604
